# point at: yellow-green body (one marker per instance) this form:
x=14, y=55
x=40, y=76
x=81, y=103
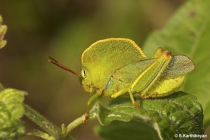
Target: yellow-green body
x=103, y=58
x=117, y=66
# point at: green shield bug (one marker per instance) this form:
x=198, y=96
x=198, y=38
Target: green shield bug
x=117, y=66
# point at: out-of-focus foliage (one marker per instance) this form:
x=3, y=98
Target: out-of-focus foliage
x=63, y=29
x=3, y=29
x=11, y=108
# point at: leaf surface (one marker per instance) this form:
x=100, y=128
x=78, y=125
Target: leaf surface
x=178, y=113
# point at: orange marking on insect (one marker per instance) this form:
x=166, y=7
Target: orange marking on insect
x=166, y=54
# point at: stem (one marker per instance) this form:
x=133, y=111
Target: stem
x=74, y=124
x=93, y=114
x=42, y=122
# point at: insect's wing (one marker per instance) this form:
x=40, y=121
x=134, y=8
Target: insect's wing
x=146, y=79
x=180, y=65
x=123, y=77
x=103, y=57
x=155, y=77
x=173, y=77
x=140, y=76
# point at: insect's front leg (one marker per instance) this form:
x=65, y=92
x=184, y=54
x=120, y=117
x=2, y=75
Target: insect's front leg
x=90, y=103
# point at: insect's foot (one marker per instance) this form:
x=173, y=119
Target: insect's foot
x=86, y=118
x=144, y=96
x=136, y=105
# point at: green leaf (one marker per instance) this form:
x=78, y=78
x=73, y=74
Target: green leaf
x=11, y=110
x=178, y=113
x=3, y=29
x=127, y=131
x=188, y=33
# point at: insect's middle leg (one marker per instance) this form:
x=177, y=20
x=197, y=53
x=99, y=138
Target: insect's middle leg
x=123, y=91
x=132, y=99
x=120, y=92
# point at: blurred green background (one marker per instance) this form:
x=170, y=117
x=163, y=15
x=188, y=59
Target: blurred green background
x=63, y=29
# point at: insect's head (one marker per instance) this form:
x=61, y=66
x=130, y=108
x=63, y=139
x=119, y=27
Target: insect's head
x=84, y=76
x=85, y=80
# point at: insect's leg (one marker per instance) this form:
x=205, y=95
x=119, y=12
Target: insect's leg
x=161, y=67
x=132, y=99
x=150, y=76
x=120, y=92
x=158, y=53
x=90, y=103
x=123, y=91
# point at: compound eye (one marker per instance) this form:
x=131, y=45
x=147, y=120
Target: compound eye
x=83, y=73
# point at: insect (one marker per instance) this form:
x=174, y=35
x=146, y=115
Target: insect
x=117, y=66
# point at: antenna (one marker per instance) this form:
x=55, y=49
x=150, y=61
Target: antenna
x=52, y=60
